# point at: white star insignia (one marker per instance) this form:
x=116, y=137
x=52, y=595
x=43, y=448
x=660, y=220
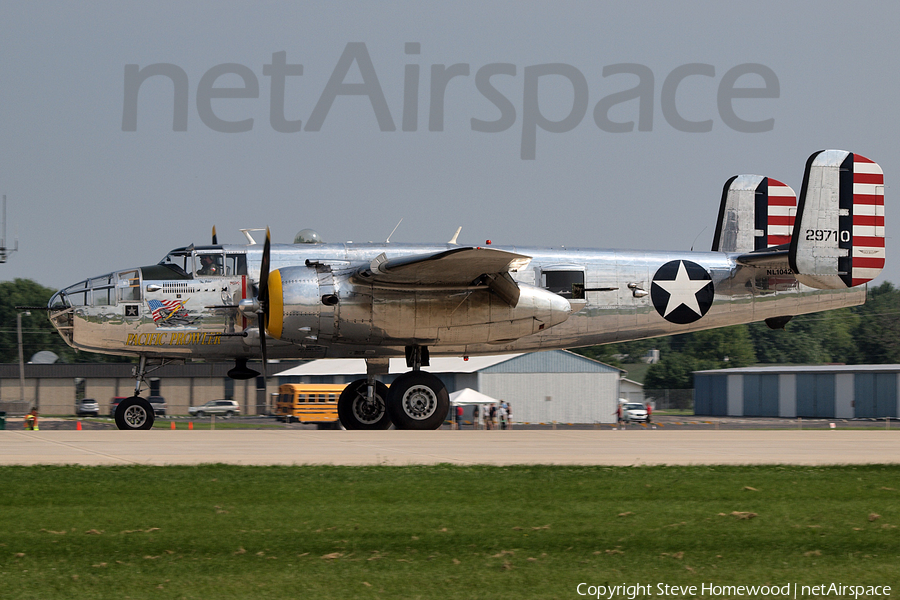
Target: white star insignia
x=682, y=290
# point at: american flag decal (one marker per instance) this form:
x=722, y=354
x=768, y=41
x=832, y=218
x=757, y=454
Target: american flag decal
x=168, y=313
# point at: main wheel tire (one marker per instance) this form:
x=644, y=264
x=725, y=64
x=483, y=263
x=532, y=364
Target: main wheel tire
x=356, y=412
x=134, y=413
x=418, y=400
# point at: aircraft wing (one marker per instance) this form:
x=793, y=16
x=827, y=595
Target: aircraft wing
x=458, y=268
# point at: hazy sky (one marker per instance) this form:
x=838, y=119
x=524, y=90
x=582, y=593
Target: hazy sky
x=88, y=197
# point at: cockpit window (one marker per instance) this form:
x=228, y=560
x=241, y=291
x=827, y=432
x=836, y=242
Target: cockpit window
x=208, y=261
x=178, y=261
x=210, y=264
x=236, y=264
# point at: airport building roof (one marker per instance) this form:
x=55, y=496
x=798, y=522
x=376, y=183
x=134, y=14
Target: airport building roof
x=803, y=369
x=552, y=361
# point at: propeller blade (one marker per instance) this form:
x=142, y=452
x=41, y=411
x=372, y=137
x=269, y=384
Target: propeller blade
x=263, y=298
x=262, y=342
x=264, y=273
x=215, y=238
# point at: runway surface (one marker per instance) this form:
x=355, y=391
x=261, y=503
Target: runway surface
x=573, y=447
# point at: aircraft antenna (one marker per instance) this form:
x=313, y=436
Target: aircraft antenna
x=695, y=239
x=388, y=240
x=4, y=251
x=455, y=235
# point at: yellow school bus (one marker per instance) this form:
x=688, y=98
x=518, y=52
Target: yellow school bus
x=309, y=403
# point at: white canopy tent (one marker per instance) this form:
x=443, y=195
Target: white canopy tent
x=467, y=396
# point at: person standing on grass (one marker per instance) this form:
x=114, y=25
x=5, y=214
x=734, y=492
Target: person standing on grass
x=508, y=415
x=476, y=417
x=502, y=414
x=459, y=416
x=491, y=414
x=649, y=413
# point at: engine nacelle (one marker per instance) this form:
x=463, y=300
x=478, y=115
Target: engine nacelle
x=296, y=306
x=307, y=305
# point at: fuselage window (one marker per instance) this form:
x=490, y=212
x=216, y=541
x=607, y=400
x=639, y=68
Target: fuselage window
x=129, y=286
x=568, y=284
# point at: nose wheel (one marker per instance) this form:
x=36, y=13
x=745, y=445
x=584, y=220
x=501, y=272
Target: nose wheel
x=134, y=413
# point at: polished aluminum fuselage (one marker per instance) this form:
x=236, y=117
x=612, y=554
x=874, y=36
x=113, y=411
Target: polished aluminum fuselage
x=114, y=314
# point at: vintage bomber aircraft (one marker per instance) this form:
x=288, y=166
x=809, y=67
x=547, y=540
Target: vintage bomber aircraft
x=772, y=257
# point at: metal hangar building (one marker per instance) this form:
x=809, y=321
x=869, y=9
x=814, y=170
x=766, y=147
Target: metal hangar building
x=541, y=387
x=833, y=391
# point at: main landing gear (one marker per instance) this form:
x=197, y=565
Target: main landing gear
x=415, y=400
x=136, y=413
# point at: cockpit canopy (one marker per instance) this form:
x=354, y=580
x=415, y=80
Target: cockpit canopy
x=125, y=286
x=204, y=261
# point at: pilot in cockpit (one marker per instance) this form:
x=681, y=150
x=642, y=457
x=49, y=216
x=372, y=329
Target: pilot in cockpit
x=208, y=266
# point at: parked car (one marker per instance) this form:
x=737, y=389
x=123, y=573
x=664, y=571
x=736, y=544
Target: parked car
x=216, y=407
x=114, y=403
x=635, y=411
x=159, y=405
x=88, y=407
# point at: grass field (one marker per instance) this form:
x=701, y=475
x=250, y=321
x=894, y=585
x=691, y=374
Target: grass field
x=439, y=532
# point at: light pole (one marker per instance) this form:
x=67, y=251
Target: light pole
x=21, y=356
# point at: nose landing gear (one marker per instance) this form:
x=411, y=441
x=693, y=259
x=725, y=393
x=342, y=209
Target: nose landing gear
x=136, y=413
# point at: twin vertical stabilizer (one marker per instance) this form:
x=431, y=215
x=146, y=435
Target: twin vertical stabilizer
x=838, y=239
x=832, y=238
x=756, y=213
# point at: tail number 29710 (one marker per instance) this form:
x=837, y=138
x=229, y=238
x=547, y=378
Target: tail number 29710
x=825, y=235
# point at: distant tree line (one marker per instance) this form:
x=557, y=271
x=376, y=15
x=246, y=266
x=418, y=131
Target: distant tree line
x=866, y=334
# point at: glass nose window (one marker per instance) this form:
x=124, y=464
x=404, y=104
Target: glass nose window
x=129, y=286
